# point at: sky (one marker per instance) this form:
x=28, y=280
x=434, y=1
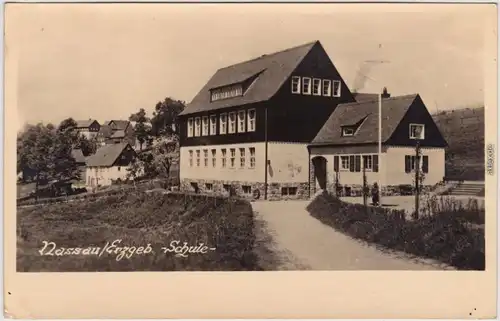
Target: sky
x=105, y=61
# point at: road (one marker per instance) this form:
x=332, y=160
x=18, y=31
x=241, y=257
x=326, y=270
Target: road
x=304, y=243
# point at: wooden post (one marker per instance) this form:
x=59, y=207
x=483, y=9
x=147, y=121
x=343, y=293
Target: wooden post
x=417, y=178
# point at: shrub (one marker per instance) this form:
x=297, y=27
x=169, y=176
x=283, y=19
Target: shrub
x=444, y=237
x=138, y=219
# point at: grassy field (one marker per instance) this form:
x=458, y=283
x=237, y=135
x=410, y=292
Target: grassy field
x=463, y=129
x=224, y=225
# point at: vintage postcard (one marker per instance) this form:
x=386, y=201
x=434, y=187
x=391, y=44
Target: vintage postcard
x=165, y=157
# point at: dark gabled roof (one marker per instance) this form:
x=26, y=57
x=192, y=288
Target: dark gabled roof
x=118, y=134
x=120, y=124
x=106, y=155
x=360, y=97
x=84, y=123
x=77, y=154
x=274, y=70
x=105, y=131
x=393, y=111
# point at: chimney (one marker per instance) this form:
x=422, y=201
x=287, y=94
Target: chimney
x=385, y=94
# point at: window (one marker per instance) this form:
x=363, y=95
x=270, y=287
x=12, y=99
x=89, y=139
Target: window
x=232, y=157
x=223, y=157
x=119, y=168
x=242, y=157
x=209, y=186
x=226, y=187
x=417, y=131
x=213, y=125
x=241, y=121
x=347, y=131
x=198, y=158
x=227, y=92
x=223, y=124
x=247, y=189
x=232, y=123
x=197, y=126
x=251, y=120
x=190, y=158
x=410, y=163
x=288, y=191
x=344, y=163
x=205, y=126
x=205, y=157
x=336, y=88
x=295, y=85
x=306, y=86
x=190, y=127
x=368, y=162
x=327, y=87
x=214, y=157
x=252, y=157
x=316, y=87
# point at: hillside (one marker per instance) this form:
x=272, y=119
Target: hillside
x=463, y=129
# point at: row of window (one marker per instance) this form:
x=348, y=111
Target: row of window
x=354, y=163
x=227, y=92
x=195, y=158
x=315, y=86
x=229, y=123
x=247, y=189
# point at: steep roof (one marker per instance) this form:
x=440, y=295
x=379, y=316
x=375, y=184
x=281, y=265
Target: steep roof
x=120, y=124
x=106, y=155
x=270, y=70
x=84, y=123
x=393, y=111
x=105, y=131
x=360, y=97
x=118, y=134
x=77, y=154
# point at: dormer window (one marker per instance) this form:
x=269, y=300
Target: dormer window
x=316, y=87
x=336, y=88
x=327, y=87
x=227, y=92
x=417, y=131
x=347, y=131
x=306, y=86
x=295, y=85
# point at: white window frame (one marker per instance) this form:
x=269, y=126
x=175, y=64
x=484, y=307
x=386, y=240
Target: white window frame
x=214, y=158
x=250, y=126
x=213, y=124
x=364, y=159
x=328, y=83
x=338, y=93
x=223, y=124
x=251, y=151
x=242, y=158
x=413, y=161
x=296, y=83
x=412, y=125
x=197, y=126
x=205, y=157
x=223, y=157
x=205, y=126
x=232, y=157
x=306, y=89
x=190, y=127
x=341, y=163
x=241, y=122
x=346, y=132
x=316, y=85
x=231, y=124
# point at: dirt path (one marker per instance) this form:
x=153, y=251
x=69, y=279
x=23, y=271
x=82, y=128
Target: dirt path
x=299, y=241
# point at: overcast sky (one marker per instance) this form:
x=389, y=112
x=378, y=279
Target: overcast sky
x=105, y=61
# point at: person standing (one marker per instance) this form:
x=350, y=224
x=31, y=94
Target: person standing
x=375, y=195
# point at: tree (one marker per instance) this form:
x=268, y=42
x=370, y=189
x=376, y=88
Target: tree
x=165, y=121
x=87, y=146
x=142, y=131
x=137, y=116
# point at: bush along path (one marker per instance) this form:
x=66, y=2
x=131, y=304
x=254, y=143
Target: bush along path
x=317, y=246
x=446, y=236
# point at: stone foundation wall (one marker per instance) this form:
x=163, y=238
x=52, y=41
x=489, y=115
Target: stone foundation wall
x=390, y=190
x=218, y=187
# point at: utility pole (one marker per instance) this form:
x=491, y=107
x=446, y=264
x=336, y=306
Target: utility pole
x=417, y=178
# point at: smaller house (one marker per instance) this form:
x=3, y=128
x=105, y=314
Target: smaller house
x=103, y=135
x=109, y=164
x=88, y=128
x=346, y=148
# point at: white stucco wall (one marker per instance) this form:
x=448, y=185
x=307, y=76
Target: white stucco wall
x=396, y=165
x=237, y=173
x=105, y=174
x=289, y=163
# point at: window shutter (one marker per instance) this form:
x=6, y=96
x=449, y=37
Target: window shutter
x=375, y=163
x=351, y=163
x=358, y=163
x=336, y=163
x=425, y=164
x=407, y=164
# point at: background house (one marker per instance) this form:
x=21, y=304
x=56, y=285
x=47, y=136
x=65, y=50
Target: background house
x=348, y=142
x=108, y=164
x=88, y=128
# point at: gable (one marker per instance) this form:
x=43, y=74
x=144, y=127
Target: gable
x=418, y=114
